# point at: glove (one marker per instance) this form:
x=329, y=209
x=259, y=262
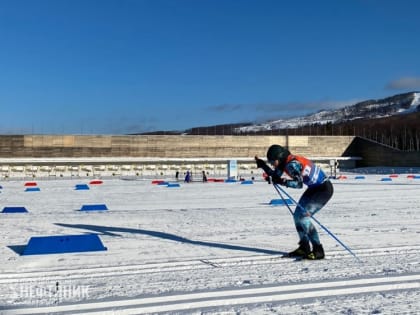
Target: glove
x=260, y=163
x=278, y=180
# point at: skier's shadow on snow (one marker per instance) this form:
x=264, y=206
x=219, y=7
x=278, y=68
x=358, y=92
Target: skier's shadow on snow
x=112, y=231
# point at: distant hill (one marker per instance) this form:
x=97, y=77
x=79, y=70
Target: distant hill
x=371, y=109
x=394, y=121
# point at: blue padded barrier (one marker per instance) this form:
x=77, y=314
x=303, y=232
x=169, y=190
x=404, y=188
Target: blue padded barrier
x=386, y=179
x=33, y=189
x=81, y=187
x=98, y=207
x=39, y=245
x=247, y=182
x=14, y=210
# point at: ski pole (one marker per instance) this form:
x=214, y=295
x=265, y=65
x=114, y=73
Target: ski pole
x=282, y=198
x=280, y=191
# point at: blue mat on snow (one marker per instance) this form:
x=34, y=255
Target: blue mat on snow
x=386, y=179
x=40, y=245
x=14, y=210
x=100, y=207
x=81, y=187
x=33, y=189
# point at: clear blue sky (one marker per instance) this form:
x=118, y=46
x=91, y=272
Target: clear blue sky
x=124, y=66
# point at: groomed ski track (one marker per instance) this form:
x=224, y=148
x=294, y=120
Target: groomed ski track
x=269, y=294
x=218, y=299
x=192, y=265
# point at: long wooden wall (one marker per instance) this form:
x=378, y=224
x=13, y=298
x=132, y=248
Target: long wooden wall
x=166, y=146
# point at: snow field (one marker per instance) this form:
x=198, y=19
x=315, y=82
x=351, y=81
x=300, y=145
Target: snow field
x=211, y=248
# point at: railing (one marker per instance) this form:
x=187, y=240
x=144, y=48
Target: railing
x=51, y=168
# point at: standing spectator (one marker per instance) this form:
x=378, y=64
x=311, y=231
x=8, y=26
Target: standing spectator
x=187, y=177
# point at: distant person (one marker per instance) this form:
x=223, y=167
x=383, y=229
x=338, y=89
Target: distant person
x=177, y=175
x=319, y=192
x=187, y=177
x=204, y=177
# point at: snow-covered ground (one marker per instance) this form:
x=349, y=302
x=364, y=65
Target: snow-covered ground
x=211, y=248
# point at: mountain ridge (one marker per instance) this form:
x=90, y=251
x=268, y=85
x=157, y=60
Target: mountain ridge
x=369, y=109
x=393, y=121
x=398, y=104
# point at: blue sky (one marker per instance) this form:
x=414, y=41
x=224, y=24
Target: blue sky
x=125, y=66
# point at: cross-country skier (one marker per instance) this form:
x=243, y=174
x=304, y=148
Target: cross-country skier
x=300, y=171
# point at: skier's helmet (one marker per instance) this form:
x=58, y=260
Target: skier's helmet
x=277, y=152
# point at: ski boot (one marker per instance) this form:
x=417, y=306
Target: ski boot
x=302, y=251
x=317, y=252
